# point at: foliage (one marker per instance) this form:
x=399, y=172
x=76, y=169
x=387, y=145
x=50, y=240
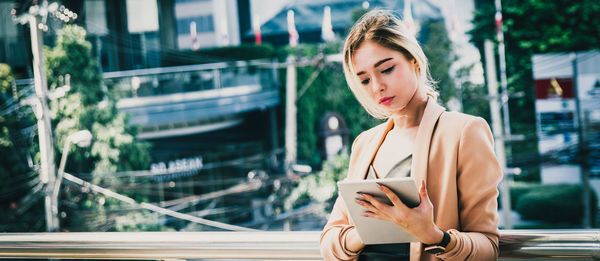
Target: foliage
x=321, y=186
x=358, y=13
x=553, y=203
x=519, y=189
x=6, y=78
x=89, y=106
x=532, y=27
x=22, y=208
x=139, y=221
x=473, y=96
x=438, y=50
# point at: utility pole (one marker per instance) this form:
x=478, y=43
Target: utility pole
x=490, y=66
x=503, y=81
x=47, y=171
x=581, y=151
x=36, y=18
x=290, y=114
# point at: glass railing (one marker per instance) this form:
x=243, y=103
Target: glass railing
x=191, y=78
x=263, y=245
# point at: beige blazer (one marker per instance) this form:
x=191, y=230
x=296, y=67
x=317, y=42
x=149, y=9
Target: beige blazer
x=454, y=154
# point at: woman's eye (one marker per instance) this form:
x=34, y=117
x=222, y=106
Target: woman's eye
x=364, y=82
x=388, y=70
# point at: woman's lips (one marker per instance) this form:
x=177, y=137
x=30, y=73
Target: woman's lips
x=386, y=100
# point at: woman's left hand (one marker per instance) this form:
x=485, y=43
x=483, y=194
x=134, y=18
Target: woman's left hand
x=417, y=221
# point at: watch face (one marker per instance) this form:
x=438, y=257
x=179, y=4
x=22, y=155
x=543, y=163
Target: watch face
x=435, y=249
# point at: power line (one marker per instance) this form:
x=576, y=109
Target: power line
x=154, y=208
x=560, y=64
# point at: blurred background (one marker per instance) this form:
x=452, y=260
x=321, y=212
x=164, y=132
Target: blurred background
x=201, y=115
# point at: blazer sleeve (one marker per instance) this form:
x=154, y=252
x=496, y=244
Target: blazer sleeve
x=478, y=176
x=334, y=234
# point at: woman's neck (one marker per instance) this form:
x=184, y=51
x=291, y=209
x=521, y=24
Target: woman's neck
x=410, y=116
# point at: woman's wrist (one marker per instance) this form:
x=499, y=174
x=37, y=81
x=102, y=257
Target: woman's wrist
x=353, y=243
x=434, y=237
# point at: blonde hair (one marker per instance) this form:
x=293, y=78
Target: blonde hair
x=384, y=28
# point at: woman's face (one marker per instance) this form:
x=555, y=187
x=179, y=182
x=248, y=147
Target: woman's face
x=387, y=76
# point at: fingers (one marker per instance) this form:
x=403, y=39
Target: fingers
x=371, y=203
x=371, y=214
x=366, y=204
x=372, y=211
x=392, y=196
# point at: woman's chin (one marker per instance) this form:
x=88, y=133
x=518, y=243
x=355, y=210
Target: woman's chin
x=395, y=109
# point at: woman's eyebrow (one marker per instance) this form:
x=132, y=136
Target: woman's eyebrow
x=376, y=64
x=382, y=61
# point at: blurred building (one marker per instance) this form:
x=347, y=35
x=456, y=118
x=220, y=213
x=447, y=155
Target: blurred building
x=131, y=34
x=557, y=119
x=309, y=17
x=220, y=116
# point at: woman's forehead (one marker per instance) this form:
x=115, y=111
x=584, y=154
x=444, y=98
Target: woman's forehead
x=370, y=53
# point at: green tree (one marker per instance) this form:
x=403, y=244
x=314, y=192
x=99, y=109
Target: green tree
x=438, y=49
x=358, y=13
x=321, y=186
x=532, y=27
x=88, y=105
x=473, y=96
x=19, y=202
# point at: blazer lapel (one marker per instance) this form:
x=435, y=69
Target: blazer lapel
x=371, y=149
x=423, y=140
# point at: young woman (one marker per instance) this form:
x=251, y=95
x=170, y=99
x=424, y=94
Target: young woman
x=450, y=155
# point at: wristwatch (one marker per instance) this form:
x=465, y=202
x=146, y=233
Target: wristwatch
x=440, y=247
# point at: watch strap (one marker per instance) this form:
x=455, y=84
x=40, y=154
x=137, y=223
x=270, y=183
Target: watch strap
x=445, y=239
x=439, y=247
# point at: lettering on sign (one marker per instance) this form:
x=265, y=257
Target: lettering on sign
x=176, y=168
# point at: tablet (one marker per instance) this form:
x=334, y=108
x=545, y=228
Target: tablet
x=375, y=231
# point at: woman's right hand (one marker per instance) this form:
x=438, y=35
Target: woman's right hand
x=353, y=242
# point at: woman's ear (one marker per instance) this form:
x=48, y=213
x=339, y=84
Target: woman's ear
x=416, y=65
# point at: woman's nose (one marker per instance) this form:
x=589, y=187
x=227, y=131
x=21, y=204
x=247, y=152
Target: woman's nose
x=377, y=86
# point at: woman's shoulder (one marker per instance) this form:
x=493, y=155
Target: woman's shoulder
x=461, y=124
x=458, y=119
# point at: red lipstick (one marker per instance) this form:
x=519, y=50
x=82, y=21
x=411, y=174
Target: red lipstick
x=386, y=100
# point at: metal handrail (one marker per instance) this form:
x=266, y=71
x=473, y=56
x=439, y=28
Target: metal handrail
x=188, y=68
x=297, y=245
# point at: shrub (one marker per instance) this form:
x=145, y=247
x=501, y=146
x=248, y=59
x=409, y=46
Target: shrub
x=554, y=203
x=321, y=186
x=519, y=189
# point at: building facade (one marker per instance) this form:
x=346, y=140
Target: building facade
x=562, y=80
x=131, y=34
